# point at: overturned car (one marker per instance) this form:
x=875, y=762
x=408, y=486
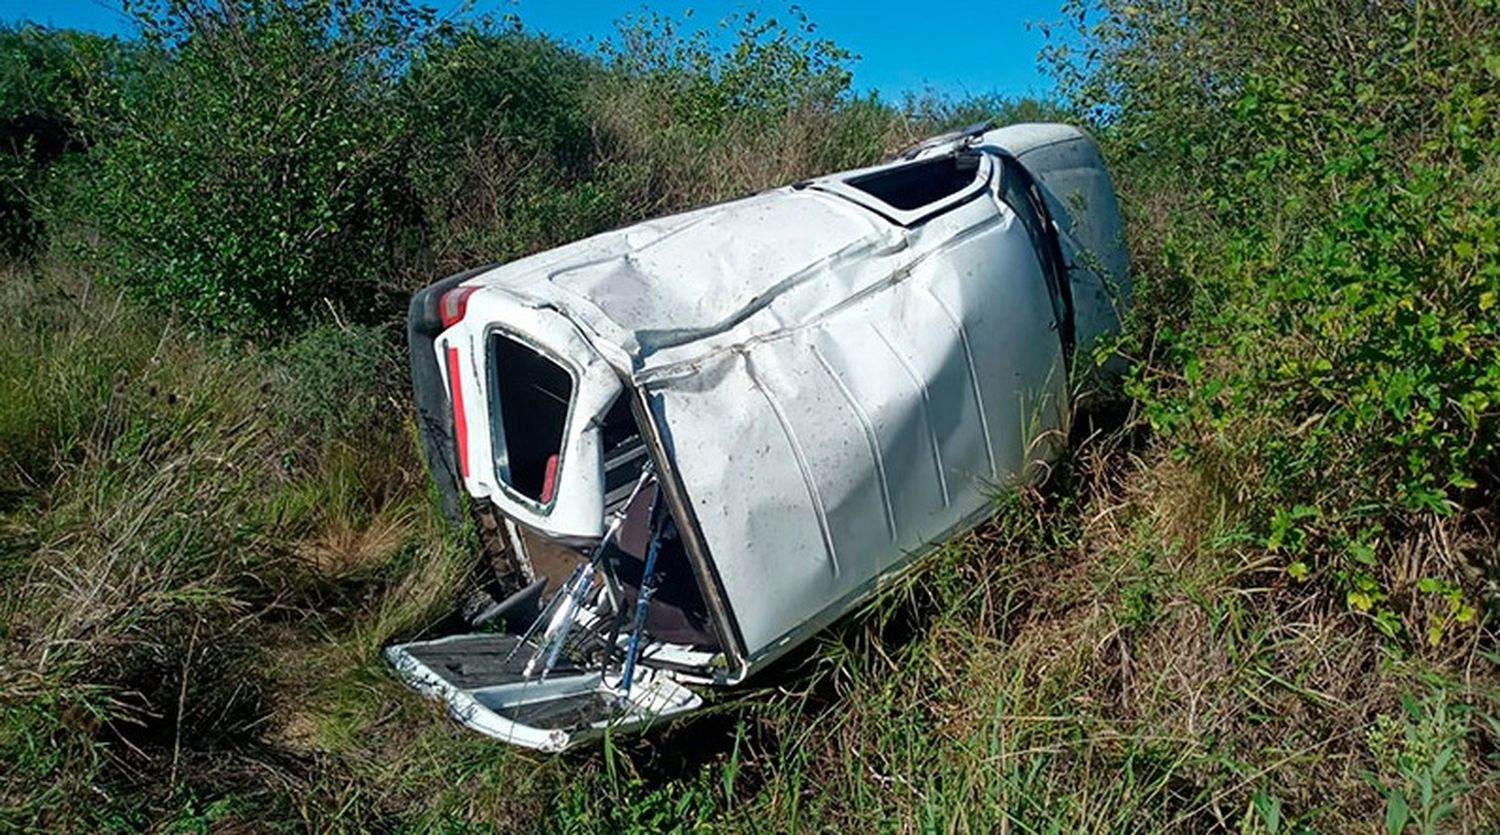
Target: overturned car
x=703, y=438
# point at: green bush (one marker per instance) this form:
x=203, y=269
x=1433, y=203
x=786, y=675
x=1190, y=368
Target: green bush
x=1321, y=219
x=341, y=382
x=694, y=115
x=503, y=150
x=38, y=83
x=478, y=82
x=768, y=70
x=247, y=167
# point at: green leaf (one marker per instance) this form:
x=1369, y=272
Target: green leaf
x=1396, y=812
x=1269, y=809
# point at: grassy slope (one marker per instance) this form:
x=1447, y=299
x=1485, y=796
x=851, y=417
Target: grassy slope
x=198, y=579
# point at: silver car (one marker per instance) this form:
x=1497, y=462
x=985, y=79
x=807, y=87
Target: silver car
x=699, y=440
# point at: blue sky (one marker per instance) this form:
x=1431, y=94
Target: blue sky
x=903, y=46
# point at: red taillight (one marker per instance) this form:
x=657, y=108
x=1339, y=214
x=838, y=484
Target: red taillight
x=460, y=420
x=549, y=480
x=454, y=304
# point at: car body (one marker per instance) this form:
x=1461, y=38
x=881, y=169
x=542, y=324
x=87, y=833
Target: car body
x=820, y=382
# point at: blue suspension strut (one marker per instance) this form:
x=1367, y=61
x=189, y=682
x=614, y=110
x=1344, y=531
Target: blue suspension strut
x=644, y=594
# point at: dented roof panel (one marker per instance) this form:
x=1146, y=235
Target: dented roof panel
x=699, y=276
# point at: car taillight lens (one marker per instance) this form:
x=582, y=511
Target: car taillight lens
x=454, y=304
x=549, y=480
x=460, y=418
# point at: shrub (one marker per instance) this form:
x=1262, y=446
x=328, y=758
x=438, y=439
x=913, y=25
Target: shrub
x=767, y=71
x=340, y=382
x=1321, y=216
x=478, y=82
x=37, y=86
x=503, y=148
x=699, y=115
x=247, y=167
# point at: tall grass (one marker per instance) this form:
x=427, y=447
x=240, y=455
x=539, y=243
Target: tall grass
x=166, y=525
x=205, y=541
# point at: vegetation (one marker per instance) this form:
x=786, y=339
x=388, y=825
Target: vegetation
x=1258, y=594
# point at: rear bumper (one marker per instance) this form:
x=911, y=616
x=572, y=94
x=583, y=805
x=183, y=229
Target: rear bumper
x=429, y=390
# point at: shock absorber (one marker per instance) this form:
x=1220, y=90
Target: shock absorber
x=643, y=596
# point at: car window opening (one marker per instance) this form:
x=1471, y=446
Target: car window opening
x=624, y=452
x=535, y=395
x=918, y=184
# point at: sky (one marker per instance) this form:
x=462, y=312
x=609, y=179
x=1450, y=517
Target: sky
x=903, y=46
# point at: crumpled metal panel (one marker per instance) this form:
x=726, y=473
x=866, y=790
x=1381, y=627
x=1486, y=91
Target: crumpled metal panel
x=824, y=457
x=708, y=280
x=664, y=290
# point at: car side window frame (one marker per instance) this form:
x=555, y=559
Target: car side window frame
x=1019, y=191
